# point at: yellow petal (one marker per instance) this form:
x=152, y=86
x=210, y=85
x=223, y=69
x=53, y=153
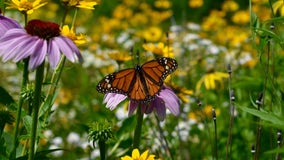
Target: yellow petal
x=30, y=11
x=126, y=158
x=222, y=75
x=135, y=154
x=198, y=84
x=65, y=30
x=151, y=157
x=277, y=5
x=16, y=2
x=38, y=6
x=144, y=155
x=281, y=10
x=36, y=2
x=209, y=81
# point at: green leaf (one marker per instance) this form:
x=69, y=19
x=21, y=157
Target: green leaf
x=27, y=120
x=5, y=97
x=42, y=155
x=277, y=150
x=266, y=116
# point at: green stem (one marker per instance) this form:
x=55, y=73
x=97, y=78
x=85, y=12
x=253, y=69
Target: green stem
x=36, y=106
x=2, y=7
x=19, y=109
x=215, y=134
x=102, y=146
x=138, y=128
x=54, y=83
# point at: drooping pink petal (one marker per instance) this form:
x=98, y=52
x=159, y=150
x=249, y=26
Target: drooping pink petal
x=160, y=108
x=27, y=49
x=113, y=99
x=75, y=49
x=12, y=34
x=53, y=54
x=38, y=57
x=132, y=106
x=6, y=24
x=65, y=48
x=11, y=50
x=171, y=100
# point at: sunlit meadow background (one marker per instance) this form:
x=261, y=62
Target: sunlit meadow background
x=206, y=37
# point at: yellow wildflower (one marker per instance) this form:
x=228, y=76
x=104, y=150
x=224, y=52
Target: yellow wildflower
x=195, y=3
x=193, y=116
x=122, y=11
x=25, y=6
x=278, y=7
x=136, y=156
x=85, y=4
x=65, y=96
x=120, y=56
x=198, y=115
x=78, y=39
x=159, y=49
x=165, y=4
x=152, y=34
x=241, y=17
x=208, y=111
x=210, y=79
x=230, y=6
x=214, y=21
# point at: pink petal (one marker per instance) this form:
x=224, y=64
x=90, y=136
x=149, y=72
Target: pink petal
x=53, y=54
x=171, y=100
x=113, y=99
x=38, y=56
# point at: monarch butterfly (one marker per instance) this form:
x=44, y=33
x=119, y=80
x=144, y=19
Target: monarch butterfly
x=141, y=83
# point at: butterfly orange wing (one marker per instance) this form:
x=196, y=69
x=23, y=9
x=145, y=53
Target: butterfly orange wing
x=156, y=71
x=118, y=82
x=140, y=83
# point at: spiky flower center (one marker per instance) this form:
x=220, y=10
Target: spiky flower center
x=42, y=29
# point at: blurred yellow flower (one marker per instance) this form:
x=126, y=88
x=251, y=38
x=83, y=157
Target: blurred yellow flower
x=210, y=79
x=208, y=111
x=152, y=34
x=230, y=6
x=214, y=21
x=241, y=17
x=198, y=115
x=278, y=7
x=165, y=4
x=138, y=19
x=250, y=63
x=78, y=39
x=25, y=6
x=159, y=49
x=136, y=156
x=86, y=4
x=65, y=96
x=235, y=36
x=122, y=11
x=195, y=3
x=120, y=57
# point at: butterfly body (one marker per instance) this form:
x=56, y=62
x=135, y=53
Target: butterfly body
x=141, y=83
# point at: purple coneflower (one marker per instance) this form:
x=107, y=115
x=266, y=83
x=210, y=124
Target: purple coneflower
x=37, y=40
x=165, y=99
